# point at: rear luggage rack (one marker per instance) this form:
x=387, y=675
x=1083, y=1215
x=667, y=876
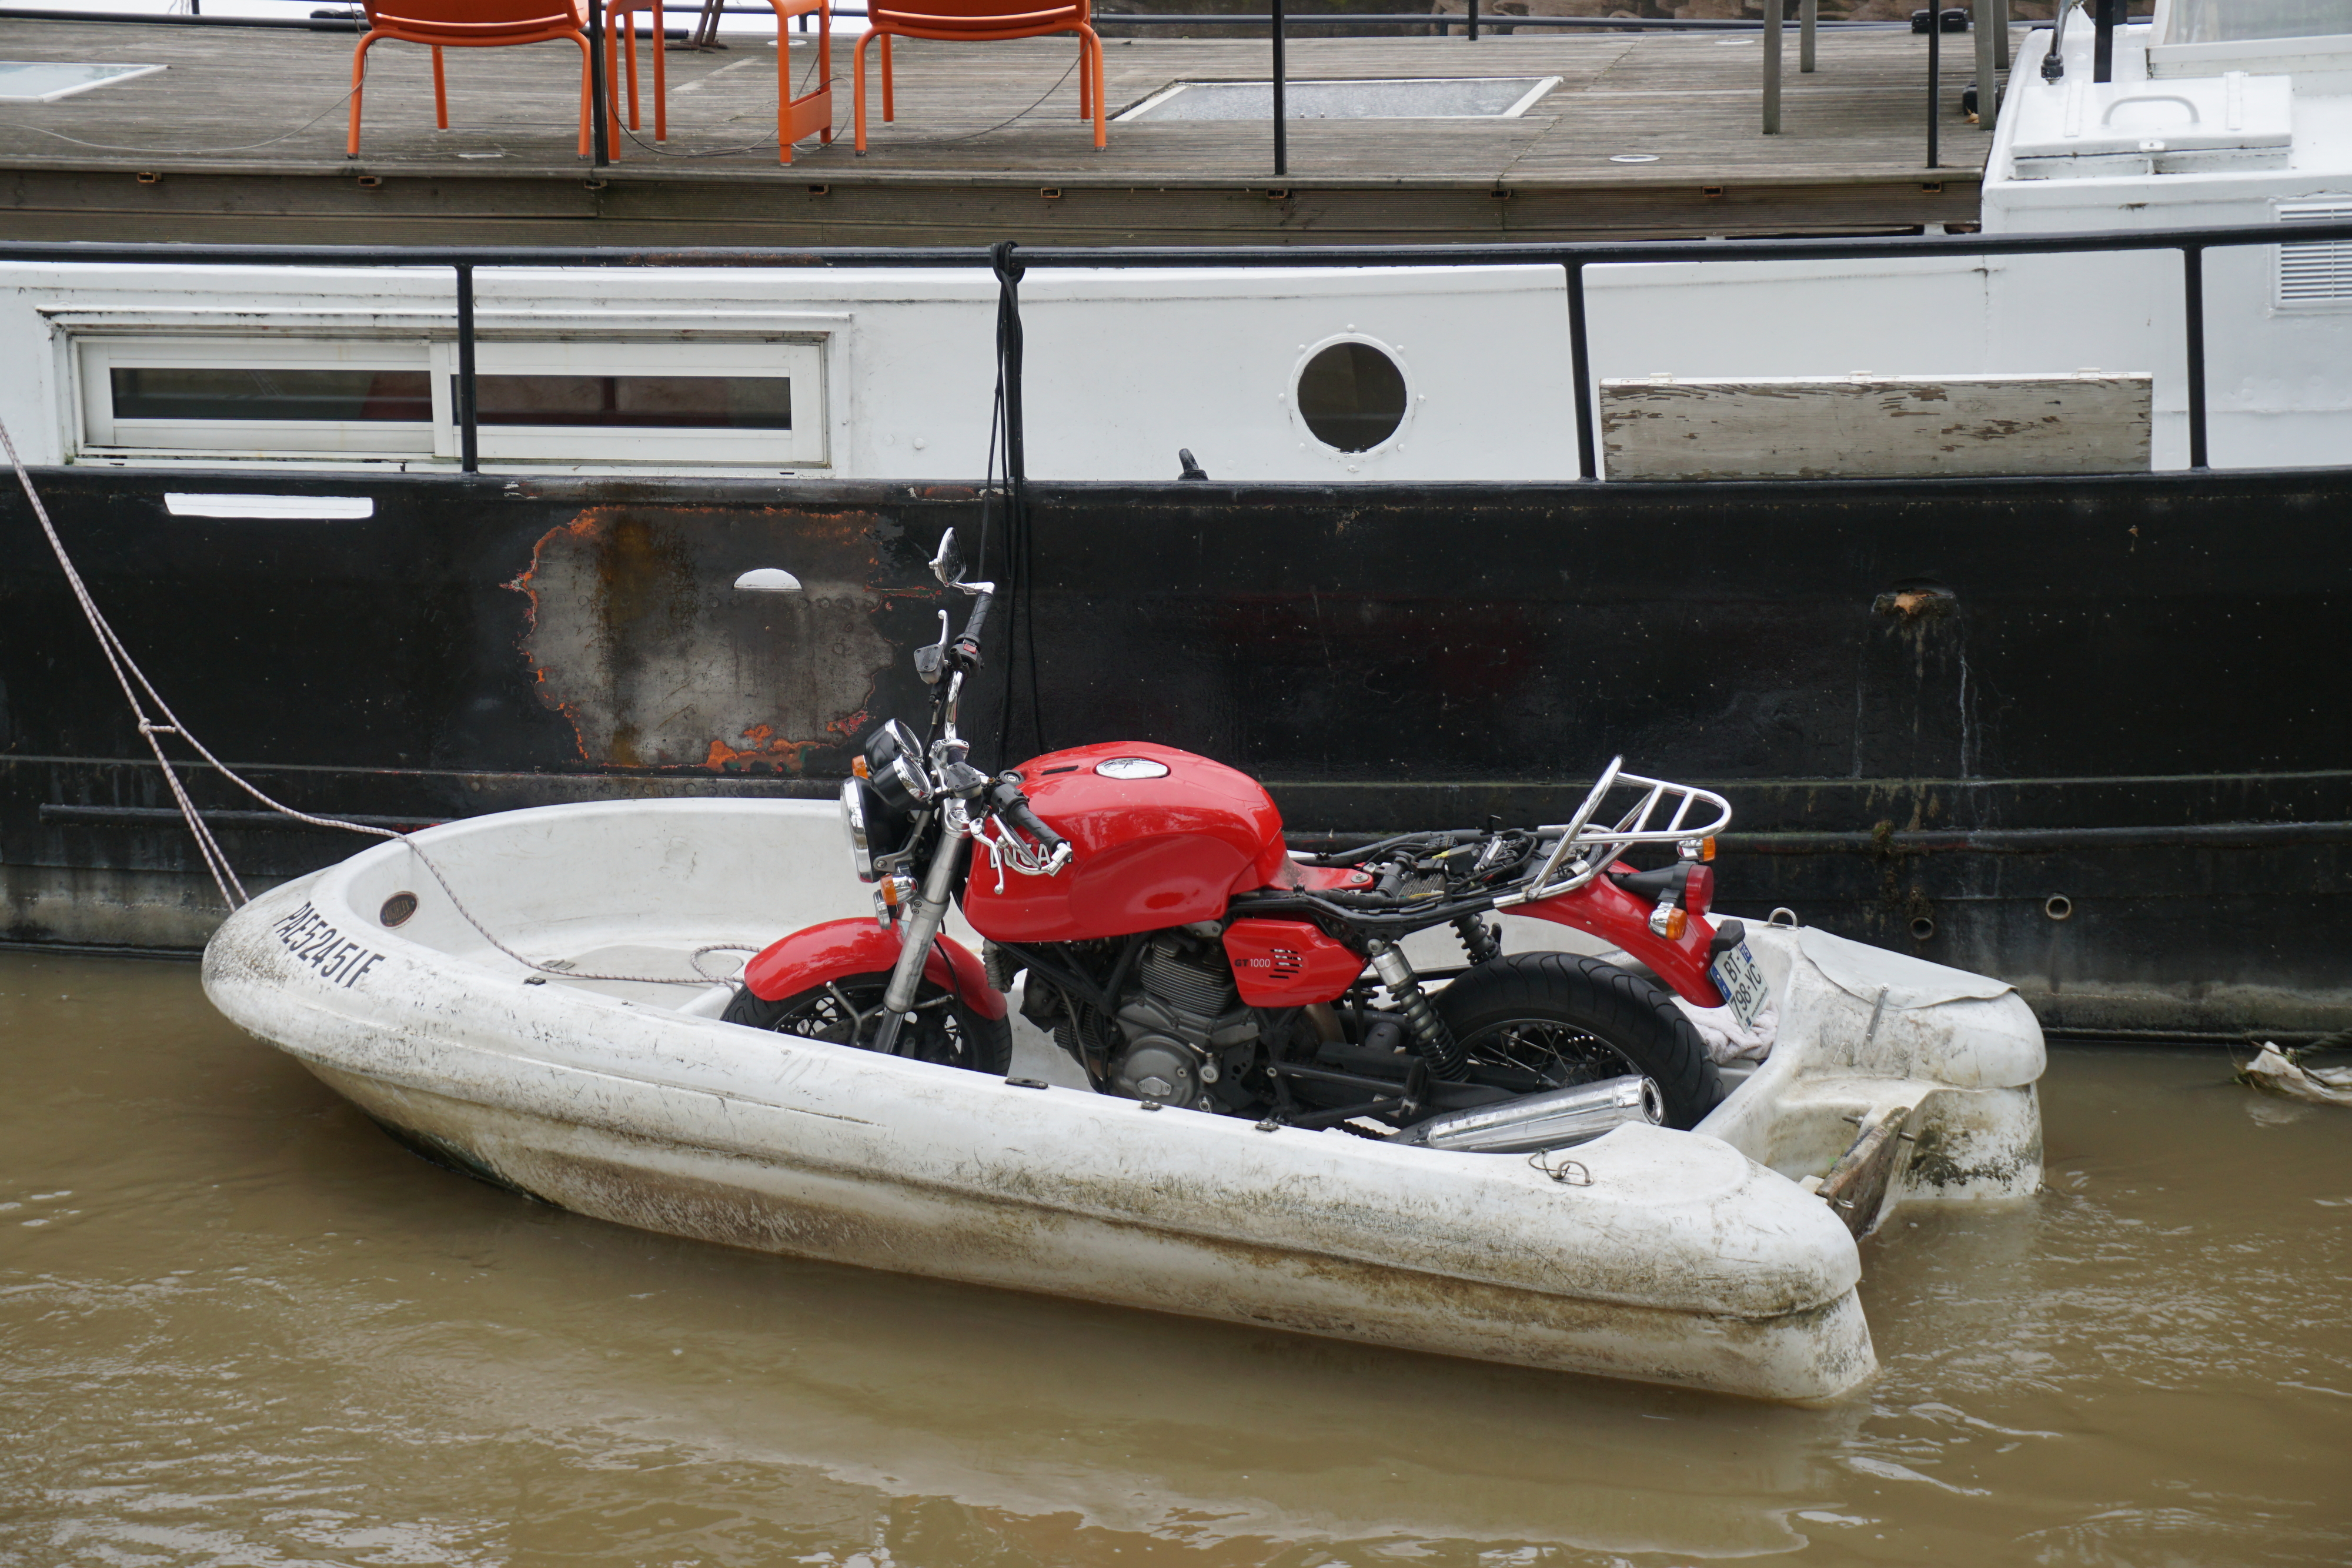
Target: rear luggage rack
x=1580, y=840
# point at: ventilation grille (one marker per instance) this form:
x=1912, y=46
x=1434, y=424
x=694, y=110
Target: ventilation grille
x=2316, y=272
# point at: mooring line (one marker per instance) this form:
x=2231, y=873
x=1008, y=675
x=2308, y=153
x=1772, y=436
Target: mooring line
x=134, y=680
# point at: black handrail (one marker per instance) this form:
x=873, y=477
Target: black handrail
x=1572, y=256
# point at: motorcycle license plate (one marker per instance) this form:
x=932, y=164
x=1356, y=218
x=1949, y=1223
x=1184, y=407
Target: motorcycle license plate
x=1741, y=981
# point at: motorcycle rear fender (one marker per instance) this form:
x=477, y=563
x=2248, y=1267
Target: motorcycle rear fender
x=1614, y=915
x=839, y=948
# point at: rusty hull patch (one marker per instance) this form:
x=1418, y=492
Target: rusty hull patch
x=639, y=639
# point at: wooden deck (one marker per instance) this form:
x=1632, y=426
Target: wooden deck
x=242, y=139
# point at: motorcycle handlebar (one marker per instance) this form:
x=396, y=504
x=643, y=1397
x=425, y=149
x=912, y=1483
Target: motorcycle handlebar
x=1019, y=814
x=967, y=646
x=1014, y=807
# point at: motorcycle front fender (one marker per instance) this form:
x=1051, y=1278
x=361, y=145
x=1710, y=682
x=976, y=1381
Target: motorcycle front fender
x=1616, y=917
x=838, y=949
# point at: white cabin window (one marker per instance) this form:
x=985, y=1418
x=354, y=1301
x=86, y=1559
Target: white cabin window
x=573, y=403
x=2317, y=272
x=256, y=398
x=760, y=404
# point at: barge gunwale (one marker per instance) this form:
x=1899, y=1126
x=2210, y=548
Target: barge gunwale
x=1010, y=263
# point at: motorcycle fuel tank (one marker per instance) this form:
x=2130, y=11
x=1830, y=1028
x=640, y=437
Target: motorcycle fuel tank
x=1160, y=838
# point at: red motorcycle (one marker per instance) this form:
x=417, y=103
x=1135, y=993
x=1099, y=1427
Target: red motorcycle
x=1183, y=957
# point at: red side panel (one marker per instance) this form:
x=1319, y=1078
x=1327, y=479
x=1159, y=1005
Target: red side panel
x=1292, y=877
x=1609, y=912
x=1288, y=963
x=806, y=959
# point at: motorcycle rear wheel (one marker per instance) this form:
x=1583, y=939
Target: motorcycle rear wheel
x=943, y=1031
x=1580, y=1020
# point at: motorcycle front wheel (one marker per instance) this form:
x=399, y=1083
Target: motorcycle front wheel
x=1578, y=1021
x=843, y=1012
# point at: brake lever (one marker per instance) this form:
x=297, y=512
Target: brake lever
x=931, y=660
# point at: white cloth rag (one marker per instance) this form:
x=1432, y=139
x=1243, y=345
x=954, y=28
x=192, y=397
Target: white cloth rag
x=1728, y=1040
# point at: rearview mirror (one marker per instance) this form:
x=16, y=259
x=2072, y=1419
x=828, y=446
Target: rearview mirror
x=948, y=565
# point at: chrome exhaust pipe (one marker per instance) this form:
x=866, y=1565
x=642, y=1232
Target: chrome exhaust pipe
x=1553, y=1119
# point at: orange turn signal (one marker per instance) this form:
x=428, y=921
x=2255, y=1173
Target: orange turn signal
x=858, y=765
x=1677, y=922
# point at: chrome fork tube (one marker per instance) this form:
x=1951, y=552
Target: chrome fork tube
x=919, y=929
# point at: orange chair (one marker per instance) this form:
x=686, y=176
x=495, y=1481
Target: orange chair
x=811, y=114
x=470, y=25
x=978, y=21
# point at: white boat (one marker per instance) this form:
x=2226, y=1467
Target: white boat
x=1722, y=1258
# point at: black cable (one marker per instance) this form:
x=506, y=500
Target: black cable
x=1020, y=589
x=966, y=136
x=999, y=443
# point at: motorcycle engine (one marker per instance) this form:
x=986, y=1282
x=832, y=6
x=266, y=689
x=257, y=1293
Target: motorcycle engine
x=1177, y=1032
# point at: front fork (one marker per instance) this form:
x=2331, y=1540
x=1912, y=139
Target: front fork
x=920, y=928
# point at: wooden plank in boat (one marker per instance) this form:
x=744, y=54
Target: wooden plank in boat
x=2090, y=422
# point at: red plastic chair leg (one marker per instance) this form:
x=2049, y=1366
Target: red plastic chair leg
x=857, y=114
x=661, y=77
x=825, y=67
x=359, y=81
x=587, y=90
x=888, y=104
x=629, y=36
x=784, y=93
x=1093, y=44
x=440, y=91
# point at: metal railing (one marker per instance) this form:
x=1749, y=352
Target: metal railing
x=1573, y=257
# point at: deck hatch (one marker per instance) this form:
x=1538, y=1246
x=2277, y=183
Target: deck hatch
x=45, y=82
x=1408, y=98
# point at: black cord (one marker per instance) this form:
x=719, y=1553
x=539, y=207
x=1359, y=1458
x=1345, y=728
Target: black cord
x=1000, y=443
x=969, y=135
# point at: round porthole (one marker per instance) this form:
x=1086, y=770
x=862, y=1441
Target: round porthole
x=1351, y=395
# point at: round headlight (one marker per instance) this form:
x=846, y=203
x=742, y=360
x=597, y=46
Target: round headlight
x=853, y=819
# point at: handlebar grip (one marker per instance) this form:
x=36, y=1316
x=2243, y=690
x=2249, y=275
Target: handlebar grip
x=1017, y=812
x=967, y=645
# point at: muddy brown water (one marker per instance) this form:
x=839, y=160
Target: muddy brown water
x=238, y=1325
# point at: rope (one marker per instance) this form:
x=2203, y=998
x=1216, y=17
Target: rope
x=1017, y=590
x=134, y=683
x=240, y=147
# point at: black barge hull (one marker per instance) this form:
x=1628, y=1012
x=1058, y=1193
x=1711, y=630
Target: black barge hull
x=2082, y=733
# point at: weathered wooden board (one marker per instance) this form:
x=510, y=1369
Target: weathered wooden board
x=2090, y=422
x=242, y=138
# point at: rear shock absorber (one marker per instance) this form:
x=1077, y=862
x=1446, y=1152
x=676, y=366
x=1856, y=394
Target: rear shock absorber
x=1482, y=942
x=1438, y=1045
